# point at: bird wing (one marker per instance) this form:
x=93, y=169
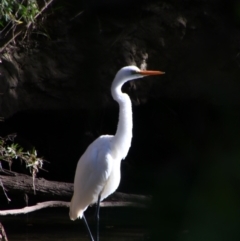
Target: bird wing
x=98, y=163
x=92, y=173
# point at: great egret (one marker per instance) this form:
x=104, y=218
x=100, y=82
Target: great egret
x=98, y=170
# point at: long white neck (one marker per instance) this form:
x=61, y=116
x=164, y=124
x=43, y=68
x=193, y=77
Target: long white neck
x=123, y=136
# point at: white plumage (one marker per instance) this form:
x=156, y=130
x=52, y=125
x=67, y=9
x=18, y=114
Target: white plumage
x=98, y=169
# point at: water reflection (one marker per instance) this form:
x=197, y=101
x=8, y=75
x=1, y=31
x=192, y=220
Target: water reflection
x=54, y=224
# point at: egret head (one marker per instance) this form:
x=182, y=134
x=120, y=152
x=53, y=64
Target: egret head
x=132, y=72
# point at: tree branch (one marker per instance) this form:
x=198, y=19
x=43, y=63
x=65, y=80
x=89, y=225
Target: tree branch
x=16, y=183
x=36, y=207
x=53, y=204
x=3, y=235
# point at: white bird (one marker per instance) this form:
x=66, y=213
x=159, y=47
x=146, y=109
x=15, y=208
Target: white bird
x=98, y=170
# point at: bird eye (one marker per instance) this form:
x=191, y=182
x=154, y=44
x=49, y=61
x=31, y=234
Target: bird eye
x=132, y=72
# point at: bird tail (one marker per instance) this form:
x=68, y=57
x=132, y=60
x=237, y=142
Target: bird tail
x=75, y=212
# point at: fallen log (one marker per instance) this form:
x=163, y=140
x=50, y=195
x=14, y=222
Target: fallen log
x=18, y=183
x=14, y=183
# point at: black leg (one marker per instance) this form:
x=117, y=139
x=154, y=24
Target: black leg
x=88, y=229
x=97, y=216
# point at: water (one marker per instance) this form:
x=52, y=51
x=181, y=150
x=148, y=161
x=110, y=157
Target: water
x=119, y=224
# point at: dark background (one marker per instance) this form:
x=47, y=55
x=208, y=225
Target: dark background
x=186, y=136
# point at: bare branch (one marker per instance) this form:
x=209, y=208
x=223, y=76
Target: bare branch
x=42, y=10
x=3, y=235
x=36, y=207
x=17, y=183
x=53, y=204
x=4, y=191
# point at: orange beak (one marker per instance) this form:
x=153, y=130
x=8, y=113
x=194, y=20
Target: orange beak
x=150, y=72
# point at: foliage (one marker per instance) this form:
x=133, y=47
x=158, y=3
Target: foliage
x=19, y=18
x=14, y=12
x=10, y=151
